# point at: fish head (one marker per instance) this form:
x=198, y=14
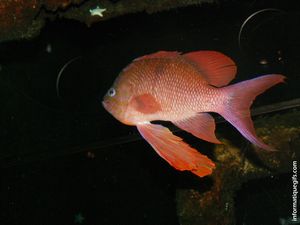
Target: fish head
x=117, y=100
x=130, y=99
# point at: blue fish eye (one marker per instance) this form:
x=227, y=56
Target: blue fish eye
x=111, y=92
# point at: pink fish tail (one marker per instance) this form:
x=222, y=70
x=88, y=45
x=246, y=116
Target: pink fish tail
x=238, y=99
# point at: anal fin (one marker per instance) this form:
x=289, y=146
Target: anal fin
x=175, y=151
x=202, y=126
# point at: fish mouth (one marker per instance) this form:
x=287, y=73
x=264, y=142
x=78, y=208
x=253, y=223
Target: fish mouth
x=116, y=112
x=107, y=106
x=110, y=107
x=104, y=104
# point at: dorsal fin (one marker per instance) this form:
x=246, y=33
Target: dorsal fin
x=160, y=54
x=217, y=68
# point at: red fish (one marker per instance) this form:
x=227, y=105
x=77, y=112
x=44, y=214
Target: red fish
x=183, y=88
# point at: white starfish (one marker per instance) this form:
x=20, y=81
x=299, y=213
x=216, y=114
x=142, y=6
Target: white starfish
x=97, y=11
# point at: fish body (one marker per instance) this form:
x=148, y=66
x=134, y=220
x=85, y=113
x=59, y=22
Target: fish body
x=183, y=88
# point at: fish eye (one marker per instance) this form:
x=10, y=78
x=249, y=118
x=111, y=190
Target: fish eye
x=111, y=92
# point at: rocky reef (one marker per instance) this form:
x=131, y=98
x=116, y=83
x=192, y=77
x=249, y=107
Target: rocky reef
x=236, y=166
x=23, y=19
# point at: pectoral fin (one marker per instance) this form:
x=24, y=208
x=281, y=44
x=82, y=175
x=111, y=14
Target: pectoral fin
x=145, y=103
x=175, y=151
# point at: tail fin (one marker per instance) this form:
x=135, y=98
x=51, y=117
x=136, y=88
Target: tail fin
x=239, y=98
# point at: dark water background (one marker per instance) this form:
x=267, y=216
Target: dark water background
x=64, y=157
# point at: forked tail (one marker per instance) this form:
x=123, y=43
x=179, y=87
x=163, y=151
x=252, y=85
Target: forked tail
x=239, y=98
